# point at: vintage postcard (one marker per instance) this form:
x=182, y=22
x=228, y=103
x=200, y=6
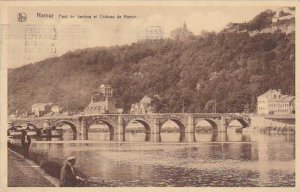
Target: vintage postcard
x=109, y=95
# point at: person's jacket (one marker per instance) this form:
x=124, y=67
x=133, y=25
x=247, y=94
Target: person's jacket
x=67, y=176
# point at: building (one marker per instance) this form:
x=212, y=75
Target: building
x=105, y=91
x=102, y=101
x=40, y=109
x=56, y=109
x=120, y=110
x=142, y=107
x=181, y=33
x=273, y=102
x=100, y=107
x=154, y=33
x=284, y=13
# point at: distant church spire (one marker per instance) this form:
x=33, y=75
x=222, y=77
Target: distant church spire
x=181, y=33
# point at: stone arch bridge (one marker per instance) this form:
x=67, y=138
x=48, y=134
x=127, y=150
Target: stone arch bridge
x=117, y=123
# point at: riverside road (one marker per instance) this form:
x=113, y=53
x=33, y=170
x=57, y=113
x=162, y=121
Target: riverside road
x=23, y=174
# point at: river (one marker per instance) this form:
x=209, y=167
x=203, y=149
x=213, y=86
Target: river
x=198, y=160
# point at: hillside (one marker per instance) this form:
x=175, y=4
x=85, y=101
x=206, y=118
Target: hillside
x=232, y=67
x=282, y=20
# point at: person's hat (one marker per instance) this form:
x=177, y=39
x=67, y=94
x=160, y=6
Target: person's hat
x=71, y=158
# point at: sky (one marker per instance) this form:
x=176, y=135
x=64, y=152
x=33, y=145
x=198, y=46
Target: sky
x=41, y=37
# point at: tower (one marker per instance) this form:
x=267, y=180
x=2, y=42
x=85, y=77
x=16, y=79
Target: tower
x=106, y=91
x=181, y=33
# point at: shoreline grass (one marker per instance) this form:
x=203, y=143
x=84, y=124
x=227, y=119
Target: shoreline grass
x=51, y=165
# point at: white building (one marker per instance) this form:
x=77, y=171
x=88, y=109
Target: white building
x=56, y=109
x=101, y=107
x=102, y=101
x=40, y=109
x=284, y=13
x=142, y=107
x=273, y=102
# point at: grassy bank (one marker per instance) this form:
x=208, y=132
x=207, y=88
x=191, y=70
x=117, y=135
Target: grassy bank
x=51, y=165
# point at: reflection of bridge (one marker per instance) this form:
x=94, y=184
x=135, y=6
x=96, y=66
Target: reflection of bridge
x=117, y=123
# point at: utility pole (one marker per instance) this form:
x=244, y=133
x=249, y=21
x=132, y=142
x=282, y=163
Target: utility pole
x=215, y=106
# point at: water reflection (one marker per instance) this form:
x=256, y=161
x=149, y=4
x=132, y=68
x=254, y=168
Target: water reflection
x=171, y=137
x=222, y=137
x=100, y=136
x=249, y=159
x=136, y=137
x=65, y=137
x=148, y=137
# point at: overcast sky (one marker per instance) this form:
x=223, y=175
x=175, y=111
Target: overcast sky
x=76, y=33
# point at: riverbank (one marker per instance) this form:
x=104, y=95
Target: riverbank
x=39, y=159
x=47, y=168
x=288, y=129
x=25, y=173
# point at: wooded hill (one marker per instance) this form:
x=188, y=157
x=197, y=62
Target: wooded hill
x=232, y=68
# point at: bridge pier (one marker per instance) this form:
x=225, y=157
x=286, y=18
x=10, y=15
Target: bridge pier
x=83, y=130
x=190, y=125
x=222, y=125
x=120, y=129
x=189, y=137
x=155, y=130
x=156, y=138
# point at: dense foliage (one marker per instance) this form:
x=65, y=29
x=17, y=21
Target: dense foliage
x=229, y=68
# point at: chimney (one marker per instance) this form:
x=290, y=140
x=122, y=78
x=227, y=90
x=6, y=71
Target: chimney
x=93, y=99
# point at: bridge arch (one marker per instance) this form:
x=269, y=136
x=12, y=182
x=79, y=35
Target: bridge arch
x=145, y=123
x=243, y=122
x=106, y=122
x=61, y=122
x=27, y=124
x=176, y=121
x=33, y=125
x=212, y=123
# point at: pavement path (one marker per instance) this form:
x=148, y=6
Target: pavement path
x=24, y=173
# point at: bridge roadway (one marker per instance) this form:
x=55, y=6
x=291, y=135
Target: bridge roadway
x=117, y=123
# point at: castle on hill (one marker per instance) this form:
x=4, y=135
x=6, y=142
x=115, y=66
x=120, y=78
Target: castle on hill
x=181, y=33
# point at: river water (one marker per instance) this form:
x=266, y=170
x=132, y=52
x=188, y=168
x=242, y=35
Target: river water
x=198, y=160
